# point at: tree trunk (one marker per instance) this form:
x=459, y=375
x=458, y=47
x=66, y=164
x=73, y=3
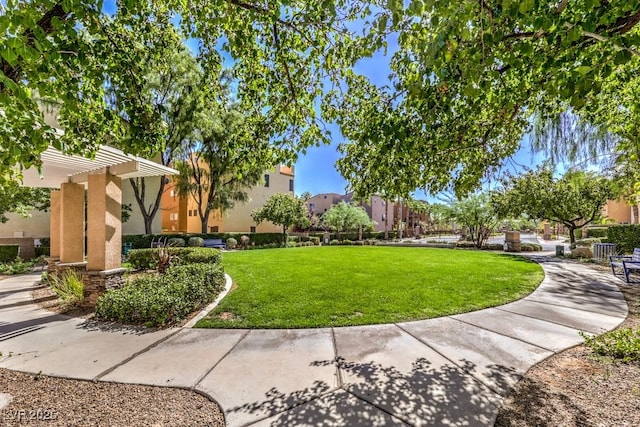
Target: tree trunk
x=399, y=218
x=572, y=236
x=284, y=236
x=139, y=191
x=386, y=220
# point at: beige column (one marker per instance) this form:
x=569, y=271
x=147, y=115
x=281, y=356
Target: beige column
x=104, y=225
x=71, y=223
x=54, y=224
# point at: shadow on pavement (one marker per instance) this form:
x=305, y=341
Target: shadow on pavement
x=383, y=395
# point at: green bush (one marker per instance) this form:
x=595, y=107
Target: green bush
x=292, y=244
x=17, y=266
x=625, y=237
x=195, y=242
x=314, y=239
x=9, y=252
x=176, y=242
x=347, y=242
x=577, y=233
x=155, y=300
x=141, y=241
x=245, y=241
x=68, y=286
x=146, y=259
x=597, y=232
x=42, y=251
x=621, y=344
x=334, y=242
x=494, y=247
x=465, y=245
x=294, y=238
x=231, y=243
x=587, y=243
x=531, y=247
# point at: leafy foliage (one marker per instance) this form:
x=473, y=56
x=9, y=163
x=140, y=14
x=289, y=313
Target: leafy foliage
x=15, y=266
x=68, y=286
x=9, y=252
x=478, y=217
x=163, y=300
x=465, y=80
x=625, y=237
x=148, y=259
x=282, y=54
x=20, y=200
x=345, y=217
x=282, y=209
x=575, y=200
x=622, y=344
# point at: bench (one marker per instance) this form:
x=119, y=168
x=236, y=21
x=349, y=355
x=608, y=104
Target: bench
x=214, y=243
x=626, y=263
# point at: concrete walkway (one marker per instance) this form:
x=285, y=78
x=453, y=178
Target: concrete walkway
x=448, y=371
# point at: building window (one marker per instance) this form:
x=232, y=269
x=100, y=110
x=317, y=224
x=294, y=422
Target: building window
x=213, y=229
x=173, y=193
x=325, y=196
x=312, y=206
x=173, y=216
x=266, y=179
x=252, y=229
x=383, y=217
x=290, y=185
x=325, y=209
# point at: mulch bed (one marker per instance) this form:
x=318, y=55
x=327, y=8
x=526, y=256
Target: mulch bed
x=574, y=388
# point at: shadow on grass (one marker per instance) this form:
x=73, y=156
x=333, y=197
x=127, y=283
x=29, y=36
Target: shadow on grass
x=383, y=395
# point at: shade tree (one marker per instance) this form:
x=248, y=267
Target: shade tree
x=283, y=209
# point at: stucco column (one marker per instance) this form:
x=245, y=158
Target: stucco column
x=71, y=222
x=54, y=224
x=104, y=225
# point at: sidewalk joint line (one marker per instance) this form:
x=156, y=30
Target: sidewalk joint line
x=202, y=377
x=336, y=358
x=505, y=335
x=537, y=318
x=378, y=407
x=575, y=308
x=471, y=374
x=134, y=355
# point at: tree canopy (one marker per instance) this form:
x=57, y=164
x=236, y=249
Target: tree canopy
x=478, y=217
x=466, y=78
x=282, y=54
x=346, y=217
x=21, y=200
x=283, y=209
x=575, y=199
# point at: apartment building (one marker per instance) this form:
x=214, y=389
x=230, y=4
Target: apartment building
x=180, y=214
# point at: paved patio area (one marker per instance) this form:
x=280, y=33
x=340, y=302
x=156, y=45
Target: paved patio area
x=453, y=370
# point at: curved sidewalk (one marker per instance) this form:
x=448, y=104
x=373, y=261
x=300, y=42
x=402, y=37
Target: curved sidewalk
x=452, y=370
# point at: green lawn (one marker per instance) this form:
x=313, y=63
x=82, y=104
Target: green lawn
x=348, y=285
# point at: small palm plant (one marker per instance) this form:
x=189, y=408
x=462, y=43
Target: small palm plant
x=163, y=256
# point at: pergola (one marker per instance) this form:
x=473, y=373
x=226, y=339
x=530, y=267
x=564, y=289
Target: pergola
x=102, y=177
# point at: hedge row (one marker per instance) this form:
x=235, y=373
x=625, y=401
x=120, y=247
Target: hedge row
x=142, y=241
x=9, y=253
x=148, y=258
x=626, y=237
x=159, y=300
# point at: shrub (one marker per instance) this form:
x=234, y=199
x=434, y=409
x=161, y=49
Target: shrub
x=625, y=237
x=195, y=242
x=141, y=259
x=465, y=245
x=577, y=233
x=359, y=242
x=68, y=286
x=315, y=240
x=531, y=247
x=621, y=344
x=42, y=251
x=587, y=242
x=162, y=300
x=231, y=243
x=294, y=238
x=334, y=242
x=347, y=242
x=245, y=241
x=596, y=232
x=9, y=252
x=200, y=256
x=17, y=266
x=494, y=247
x=177, y=242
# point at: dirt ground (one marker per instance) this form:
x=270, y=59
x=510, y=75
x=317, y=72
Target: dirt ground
x=574, y=388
